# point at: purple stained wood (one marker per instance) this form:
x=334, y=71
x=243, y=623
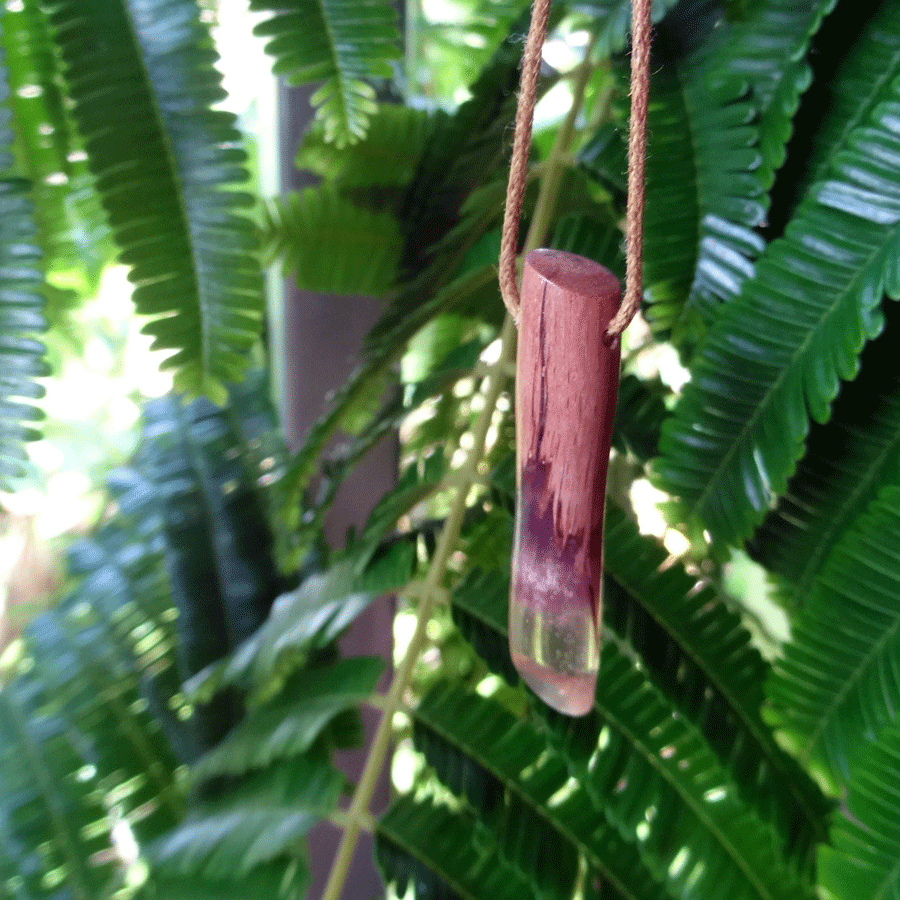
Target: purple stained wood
x=567, y=377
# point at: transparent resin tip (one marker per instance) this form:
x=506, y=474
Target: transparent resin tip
x=556, y=654
x=554, y=602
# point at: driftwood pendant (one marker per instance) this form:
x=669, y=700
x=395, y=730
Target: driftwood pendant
x=567, y=377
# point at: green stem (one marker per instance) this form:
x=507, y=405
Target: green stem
x=357, y=812
x=402, y=678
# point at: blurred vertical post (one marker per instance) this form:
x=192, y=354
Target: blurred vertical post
x=321, y=336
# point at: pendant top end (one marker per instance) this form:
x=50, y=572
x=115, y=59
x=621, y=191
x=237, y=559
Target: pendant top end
x=576, y=275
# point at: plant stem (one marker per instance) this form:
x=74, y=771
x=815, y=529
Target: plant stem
x=393, y=699
x=432, y=589
x=556, y=162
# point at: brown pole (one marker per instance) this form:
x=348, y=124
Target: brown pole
x=567, y=378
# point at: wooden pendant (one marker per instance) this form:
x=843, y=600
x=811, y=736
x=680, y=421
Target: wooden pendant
x=567, y=376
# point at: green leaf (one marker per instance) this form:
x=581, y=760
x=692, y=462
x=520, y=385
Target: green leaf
x=463, y=153
x=123, y=584
x=88, y=680
x=21, y=308
x=694, y=649
x=466, y=151
x=767, y=46
x=479, y=606
x=207, y=499
x=167, y=464
x=669, y=766
x=699, y=242
x=700, y=652
x=255, y=822
x=21, y=316
x=388, y=344
x=273, y=881
x=330, y=245
x=342, y=43
x=847, y=461
x=862, y=860
x=444, y=853
x=165, y=165
x=862, y=82
x=311, y=617
x=838, y=682
x=70, y=224
x=290, y=724
x=776, y=356
x=386, y=156
x=337, y=467
x=20, y=865
x=655, y=757
x=47, y=806
x=640, y=412
x=413, y=486
x=475, y=743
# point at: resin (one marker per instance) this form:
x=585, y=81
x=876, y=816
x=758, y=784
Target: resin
x=566, y=384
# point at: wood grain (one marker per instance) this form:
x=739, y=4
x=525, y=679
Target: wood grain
x=567, y=377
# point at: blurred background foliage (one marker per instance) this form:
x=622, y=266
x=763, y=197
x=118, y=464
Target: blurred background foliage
x=172, y=693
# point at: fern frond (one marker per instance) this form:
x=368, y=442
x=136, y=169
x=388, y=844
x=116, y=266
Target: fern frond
x=456, y=365
x=839, y=680
x=695, y=650
x=142, y=81
x=386, y=156
x=463, y=152
x=592, y=235
x=640, y=412
x=313, y=615
x=667, y=764
x=862, y=82
x=525, y=837
x=20, y=865
x=479, y=606
x=46, y=806
x=253, y=823
x=387, y=341
x=847, y=462
x=331, y=245
x=95, y=687
x=274, y=881
x=653, y=756
x=767, y=47
x=289, y=724
x=698, y=229
x=701, y=654
x=123, y=584
x=470, y=739
x=776, y=356
x=447, y=855
x=21, y=317
x=863, y=859
x=21, y=307
x=48, y=151
x=344, y=44
x=191, y=456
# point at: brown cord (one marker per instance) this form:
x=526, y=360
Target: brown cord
x=637, y=151
x=637, y=156
x=518, y=169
